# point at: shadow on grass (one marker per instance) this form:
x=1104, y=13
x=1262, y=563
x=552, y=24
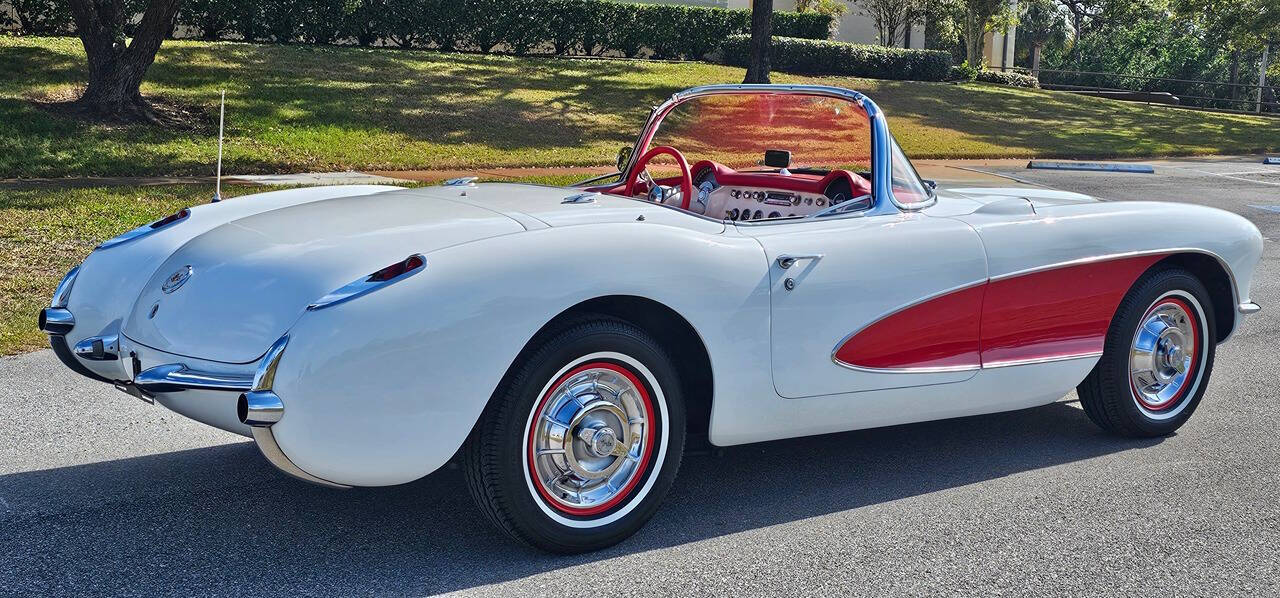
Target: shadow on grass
x=1056, y=124
x=220, y=520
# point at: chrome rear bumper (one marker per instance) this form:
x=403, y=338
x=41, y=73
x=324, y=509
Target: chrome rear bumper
x=175, y=377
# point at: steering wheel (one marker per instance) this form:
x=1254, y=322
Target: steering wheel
x=686, y=179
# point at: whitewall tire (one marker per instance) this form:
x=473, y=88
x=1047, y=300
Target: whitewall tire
x=580, y=443
x=1157, y=359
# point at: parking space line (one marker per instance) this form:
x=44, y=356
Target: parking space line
x=1225, y=176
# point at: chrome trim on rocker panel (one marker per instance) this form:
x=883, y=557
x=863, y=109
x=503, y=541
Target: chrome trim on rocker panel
x=944, y=369
x=1248, y=308
x=1035, y=360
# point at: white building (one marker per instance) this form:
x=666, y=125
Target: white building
x=856, y=27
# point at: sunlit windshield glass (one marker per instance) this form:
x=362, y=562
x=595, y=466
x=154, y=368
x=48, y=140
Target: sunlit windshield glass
x=906, y=184
x=822, y=133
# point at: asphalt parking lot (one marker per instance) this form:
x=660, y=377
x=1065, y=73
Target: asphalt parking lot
x=103, y=494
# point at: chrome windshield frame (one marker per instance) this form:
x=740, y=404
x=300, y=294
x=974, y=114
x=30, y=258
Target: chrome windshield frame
x=881, y=163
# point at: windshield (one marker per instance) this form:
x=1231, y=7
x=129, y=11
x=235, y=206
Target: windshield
x=822, y=133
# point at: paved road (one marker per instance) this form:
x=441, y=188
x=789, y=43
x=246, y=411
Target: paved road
x=102, y=494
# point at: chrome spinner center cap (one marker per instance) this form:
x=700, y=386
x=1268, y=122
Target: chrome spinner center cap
x=602, y=441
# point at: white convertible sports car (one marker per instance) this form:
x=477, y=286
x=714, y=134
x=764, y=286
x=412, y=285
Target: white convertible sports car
x=799, y=278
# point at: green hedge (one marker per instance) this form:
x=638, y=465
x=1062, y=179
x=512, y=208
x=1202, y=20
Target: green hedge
x=1012, y=79
x=822, y=57
x=564, y=27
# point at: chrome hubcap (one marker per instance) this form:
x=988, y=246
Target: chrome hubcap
x=1163, y=352
x=589, y=437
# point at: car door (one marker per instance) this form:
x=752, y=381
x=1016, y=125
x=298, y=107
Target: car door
x=872, y=302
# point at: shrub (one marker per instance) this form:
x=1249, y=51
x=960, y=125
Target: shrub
x=822, y=57
x=518, y=26
x=963, y=72
x=42, y=17
x=1011, y=79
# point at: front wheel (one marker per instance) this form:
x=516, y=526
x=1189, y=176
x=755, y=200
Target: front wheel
x=581, y=442
x=1157, y=358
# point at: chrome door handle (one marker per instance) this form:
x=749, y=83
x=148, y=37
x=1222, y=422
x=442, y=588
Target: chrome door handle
x=786, y=261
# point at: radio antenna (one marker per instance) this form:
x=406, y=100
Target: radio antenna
x=222, y=115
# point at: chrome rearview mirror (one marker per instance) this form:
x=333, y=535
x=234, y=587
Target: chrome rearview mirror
x=624, y=156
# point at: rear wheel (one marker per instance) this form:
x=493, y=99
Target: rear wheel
x=580, y=444
x=1157, y=358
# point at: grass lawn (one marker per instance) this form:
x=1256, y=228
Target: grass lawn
x=307, y=108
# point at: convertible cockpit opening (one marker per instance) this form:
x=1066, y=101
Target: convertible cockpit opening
x=756, y=156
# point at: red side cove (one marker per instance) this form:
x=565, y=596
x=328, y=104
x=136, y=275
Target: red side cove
x=1056, y=313
x=940, y=332
x=1050, y=314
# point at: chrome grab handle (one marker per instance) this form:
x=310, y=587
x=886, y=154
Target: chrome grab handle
x=175, y=377
x=786, y=261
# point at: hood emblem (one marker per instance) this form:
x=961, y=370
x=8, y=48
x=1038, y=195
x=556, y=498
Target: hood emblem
x=176, y=280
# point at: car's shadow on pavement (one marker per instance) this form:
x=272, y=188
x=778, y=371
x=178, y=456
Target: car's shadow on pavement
x=221, y=520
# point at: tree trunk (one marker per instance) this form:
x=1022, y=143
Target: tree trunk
x=974, y=29
x=1035, y=60
x=116, y=69
x=1262, y=73
x=1233, y=75
x=761, y=29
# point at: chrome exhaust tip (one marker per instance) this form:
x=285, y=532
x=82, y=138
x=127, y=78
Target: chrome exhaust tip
x=259, y=408
x=56, y=321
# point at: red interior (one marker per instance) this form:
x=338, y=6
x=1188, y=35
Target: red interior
x=728, y=177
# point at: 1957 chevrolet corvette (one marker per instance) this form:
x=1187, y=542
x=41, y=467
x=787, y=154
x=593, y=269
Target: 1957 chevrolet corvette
x=799, y=278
